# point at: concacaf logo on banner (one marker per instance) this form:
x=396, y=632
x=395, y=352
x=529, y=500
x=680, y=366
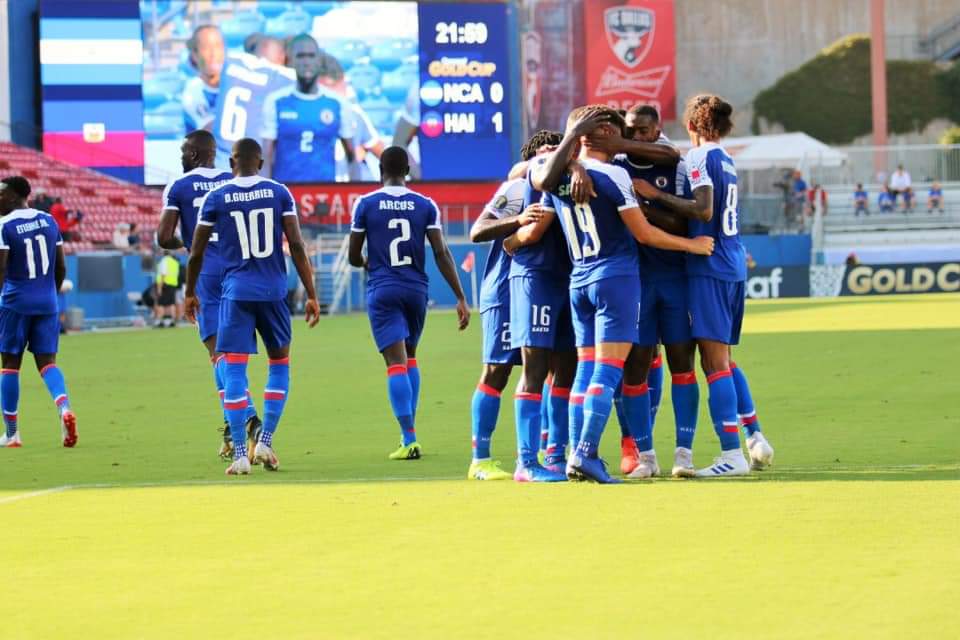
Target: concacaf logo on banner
x=637, y=65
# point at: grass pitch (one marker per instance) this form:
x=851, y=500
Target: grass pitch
x=137, y=534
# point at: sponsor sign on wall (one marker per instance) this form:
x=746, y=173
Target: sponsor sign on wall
x=880, y=279
x=778, y=282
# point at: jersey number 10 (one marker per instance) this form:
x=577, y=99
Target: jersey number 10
x=31, y=256
x=588, y=225
x=250, y=244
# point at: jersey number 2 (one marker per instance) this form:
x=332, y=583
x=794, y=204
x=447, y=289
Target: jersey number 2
x=31, y=256
x=250, y=242
x=404, y=225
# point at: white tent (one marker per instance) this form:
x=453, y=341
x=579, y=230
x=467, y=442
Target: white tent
x=780, y=151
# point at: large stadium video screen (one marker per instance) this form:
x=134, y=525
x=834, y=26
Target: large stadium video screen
x=324, y=86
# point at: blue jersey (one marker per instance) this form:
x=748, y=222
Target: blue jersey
x=598, y=241
x=307, y=128
x=395, y=220
x=859, y=195
x=245, y=83
x=549, y=255
x=30, y=238
x=659, y=264
x=935, y=192
x=199, y=102
x=247, y=213
x=184, y=196
x=710, y=165
x=495, y=288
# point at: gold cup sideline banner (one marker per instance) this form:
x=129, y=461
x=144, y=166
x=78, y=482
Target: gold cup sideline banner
x=883, y=279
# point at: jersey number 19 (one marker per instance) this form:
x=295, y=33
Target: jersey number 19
x=588, y=225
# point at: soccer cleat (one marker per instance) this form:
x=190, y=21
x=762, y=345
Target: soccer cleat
x=68, y=429
x=486, y=470
x=683, y=463
x=729, y=463
x=647, y=467
x=558, y=465
x=240, y=467
x=226, y=448
x=11, y=442
x=254, y=427
x=590, y=469
x=761, y=453
x=629, y=456
x=407, y=452
x=263, y=454
x=533, y=472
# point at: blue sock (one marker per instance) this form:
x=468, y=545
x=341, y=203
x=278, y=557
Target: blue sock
x=235, y=401
x=10, y=399
x=655, y=382
x=636, y=406
x=559, y=426
x=57, y=386
x=401, y=399
x=251, y=407
x=527, y=410
x=723, y=409
x=577, y=396
x=218, y=380
x=746, y=410
x=484, y=411
x=607, y=376
x=274, y=397
x=685, y=394
x=622, y=419
x=545, y=414
x=413, y=372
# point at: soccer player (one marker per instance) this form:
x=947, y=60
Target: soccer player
x=502, y=216
x=251, y=215
x=30, y=244
x=604, y=283
x=181, y=208
x=200, y=93
x=302, y=124
x=394, y=222
x=716, y=283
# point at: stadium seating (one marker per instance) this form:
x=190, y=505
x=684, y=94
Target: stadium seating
x=104, y=201
x=840, y=216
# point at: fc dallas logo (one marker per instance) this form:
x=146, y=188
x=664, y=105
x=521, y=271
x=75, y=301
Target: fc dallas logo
x=630, y=33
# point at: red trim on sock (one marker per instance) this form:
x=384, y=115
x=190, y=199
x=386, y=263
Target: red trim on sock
x=559, y=392
x=730, y=428
x=13, y=372
x=576, y=398
x=594, y=390
x=411, y=363
x=222, y=394
x=589, y=357
x=240, y=404
x=749, y=419
x=274, y=395
x=657, y=362
x=46, y=368
x=733, y=365
x=280, y=361
x=713, y=377
x=684, y=378
x=613, y=362
x=523, y=395
x=237, y=358
x=396, y=370
x=633, y=390
x=488, y=390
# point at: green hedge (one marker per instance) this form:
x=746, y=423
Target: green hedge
x=829, y=96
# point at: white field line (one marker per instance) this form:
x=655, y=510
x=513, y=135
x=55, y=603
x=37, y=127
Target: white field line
x=34, y=494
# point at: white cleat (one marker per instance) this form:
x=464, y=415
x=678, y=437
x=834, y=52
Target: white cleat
x=264, y=455
x=761, y=453
x=729, y=463
x=683, y=463
x=240, y=467
x=11, y=442
x=647, y=467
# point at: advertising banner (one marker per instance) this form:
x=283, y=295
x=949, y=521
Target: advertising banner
x=778, y=282
x=880, y=279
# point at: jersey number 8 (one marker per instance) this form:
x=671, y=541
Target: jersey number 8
x=731, y=222
x=250, y=242
x=588, y=225
x=404, y=225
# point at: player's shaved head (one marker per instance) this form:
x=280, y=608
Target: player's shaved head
x=394, y=164
x=304, y=55
x=199, y=149
x=643, y=123
x=647, y=110
x=14, y=191
x=542, y=138
x=246, y=157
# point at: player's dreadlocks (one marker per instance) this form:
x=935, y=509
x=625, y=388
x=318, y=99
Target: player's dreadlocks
x=615, y=118
x=539, y=139
x=709, y=116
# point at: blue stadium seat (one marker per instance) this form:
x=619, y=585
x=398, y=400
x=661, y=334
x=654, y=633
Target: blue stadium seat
x=397, y=83
x=348, y=52
x=161, y=88
x=289, y=23
x=240, y=26
x=390, y=54
x=365, y=80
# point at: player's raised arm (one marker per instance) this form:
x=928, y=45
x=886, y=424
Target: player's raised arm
x=448, y=269
x=647, y=234
x=547, y=176
x=701, y=207
x=667, y=220
x=298, y=253
x=502, y=216
x=530, y=233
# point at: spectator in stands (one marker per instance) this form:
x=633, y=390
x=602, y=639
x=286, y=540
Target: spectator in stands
x=814, y=194
x=66, y=220
x=886, y=201
x=852, y=260
x=935, y=198
x=861, y=202
x=166, y=284
x=899, y=182
x=121, y=236
x=799, y=187
x=41, y=201
x=908, y=199
x=134, y=238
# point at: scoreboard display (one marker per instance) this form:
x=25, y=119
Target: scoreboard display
x=125, y=80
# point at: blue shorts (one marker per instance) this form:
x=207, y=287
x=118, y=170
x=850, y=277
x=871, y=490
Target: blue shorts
x=496, y=337
x=606, y=311
x=209, y=289
x=396, y=313
x=716, y=309
x=242, y=320
x=664, y=314
x=39, y=333
x=540, y=314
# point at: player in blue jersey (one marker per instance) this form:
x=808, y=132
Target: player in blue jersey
x=395, y=222
x=302, y=124
x=503, y=215
x=245, y=82
x=716, y=283
x=32, y=269
x=251, y=215
x=199, y=98
x=181, y=208
x=604, y=283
